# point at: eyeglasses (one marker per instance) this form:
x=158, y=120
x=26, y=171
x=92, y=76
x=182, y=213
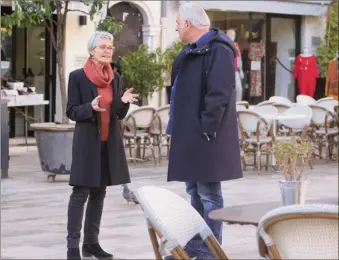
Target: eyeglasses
x=104, y=48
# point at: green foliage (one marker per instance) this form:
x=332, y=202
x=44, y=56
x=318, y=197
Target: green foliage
x=143, y=70
x=290, y=154
x=329, y=47
x=27, y=14
x=37, y=12
x=109, y=24
x=170, y=54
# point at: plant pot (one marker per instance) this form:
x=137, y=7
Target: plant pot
x=54, y=143
x=293, y=192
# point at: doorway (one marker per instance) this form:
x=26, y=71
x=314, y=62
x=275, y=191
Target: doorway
x=283, y=45
x=130, y=37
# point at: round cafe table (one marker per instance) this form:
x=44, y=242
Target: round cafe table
x=250, y=214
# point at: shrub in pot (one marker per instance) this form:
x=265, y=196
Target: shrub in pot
x=143, y=70
x=292, y=156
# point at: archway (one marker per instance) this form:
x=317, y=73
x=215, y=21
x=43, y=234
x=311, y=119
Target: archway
x=131, y=35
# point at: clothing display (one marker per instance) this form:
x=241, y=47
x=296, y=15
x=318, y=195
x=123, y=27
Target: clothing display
x=238, y=86
x=306, y=72
x=237, y=65
x=238, y=73
x=331, y=89
x=237, y=57
x=256, y=53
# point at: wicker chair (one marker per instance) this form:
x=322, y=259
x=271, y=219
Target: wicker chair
x=299, y=232
x=175, y=222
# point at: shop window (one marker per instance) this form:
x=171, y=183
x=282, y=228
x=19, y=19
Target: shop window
x=249, y=31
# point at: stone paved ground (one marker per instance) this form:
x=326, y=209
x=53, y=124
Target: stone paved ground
x=33, y=210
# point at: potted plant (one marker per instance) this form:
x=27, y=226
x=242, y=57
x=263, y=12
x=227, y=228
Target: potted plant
x=54, y=140
x=169, y=55
x=142, y=70
x=329, y=46
x=292, y=155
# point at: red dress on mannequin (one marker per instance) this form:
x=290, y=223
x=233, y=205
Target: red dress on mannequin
x=306, y=72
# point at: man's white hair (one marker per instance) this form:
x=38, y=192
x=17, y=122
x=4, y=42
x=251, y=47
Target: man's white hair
x=95, y=38
x=195, y=14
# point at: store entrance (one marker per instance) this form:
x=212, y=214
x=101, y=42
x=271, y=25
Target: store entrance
x=283, y=45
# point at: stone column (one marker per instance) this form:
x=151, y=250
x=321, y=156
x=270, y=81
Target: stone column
x=151, y=37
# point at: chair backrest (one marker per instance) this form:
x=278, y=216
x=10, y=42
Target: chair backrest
x=324, y=99
x=282, y=107
x=242, y=105
x=329, y=104
x=132, y=107
x=297, y=123
x=320, y=114
x=172, y=216
x=265, y=103
x=267, y=109
x=249, y=120
x=163, y=114
x=305, y=100
x=141, y=116
x=300, y=232
x=280, y=100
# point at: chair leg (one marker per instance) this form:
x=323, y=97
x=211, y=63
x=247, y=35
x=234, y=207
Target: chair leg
x=180, y=254
x=129, y=147
x=154, y=242
x=259, y=159
x=215, y=247
x=152, y=150
x=159, y=143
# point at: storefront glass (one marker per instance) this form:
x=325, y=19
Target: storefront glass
x=282, y=52
x=250, y=36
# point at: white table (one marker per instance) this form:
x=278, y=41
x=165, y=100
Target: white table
x=27, y=104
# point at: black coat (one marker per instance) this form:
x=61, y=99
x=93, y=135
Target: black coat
x=86, y=153
x=205, y=108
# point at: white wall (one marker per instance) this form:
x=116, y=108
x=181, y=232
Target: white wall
x=312, y=26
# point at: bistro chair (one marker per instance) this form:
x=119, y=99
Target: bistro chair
x=173, y=221
x=299, y=232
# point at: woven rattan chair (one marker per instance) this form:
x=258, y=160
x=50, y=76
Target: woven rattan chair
x=175, y=222
x=299, y=232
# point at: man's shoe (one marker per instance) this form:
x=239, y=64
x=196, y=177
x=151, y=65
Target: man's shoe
x=73, y=254
x=95, y=250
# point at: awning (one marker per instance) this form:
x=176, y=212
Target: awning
x=306, y=8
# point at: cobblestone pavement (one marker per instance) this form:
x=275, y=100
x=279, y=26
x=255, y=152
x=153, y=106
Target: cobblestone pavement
x=33, y=210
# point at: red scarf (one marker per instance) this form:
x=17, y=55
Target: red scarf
x=103, y=80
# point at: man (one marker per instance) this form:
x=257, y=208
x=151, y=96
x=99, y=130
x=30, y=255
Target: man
x=203, y=121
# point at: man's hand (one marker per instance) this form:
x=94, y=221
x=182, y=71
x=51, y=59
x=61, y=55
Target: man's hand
x=129, y=97
x=95, y=104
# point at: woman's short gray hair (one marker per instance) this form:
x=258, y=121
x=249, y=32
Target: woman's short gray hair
x=95, y=38
x=195, y=14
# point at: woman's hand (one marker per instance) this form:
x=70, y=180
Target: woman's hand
x=129, y=97
x=95, y=104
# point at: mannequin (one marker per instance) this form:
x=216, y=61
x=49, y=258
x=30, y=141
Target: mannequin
x=306, y=52
x=239, y=75
x=306, y=72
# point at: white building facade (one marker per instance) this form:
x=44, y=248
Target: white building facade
x=283, y=29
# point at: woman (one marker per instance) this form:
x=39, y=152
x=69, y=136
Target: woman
x=95, y=103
